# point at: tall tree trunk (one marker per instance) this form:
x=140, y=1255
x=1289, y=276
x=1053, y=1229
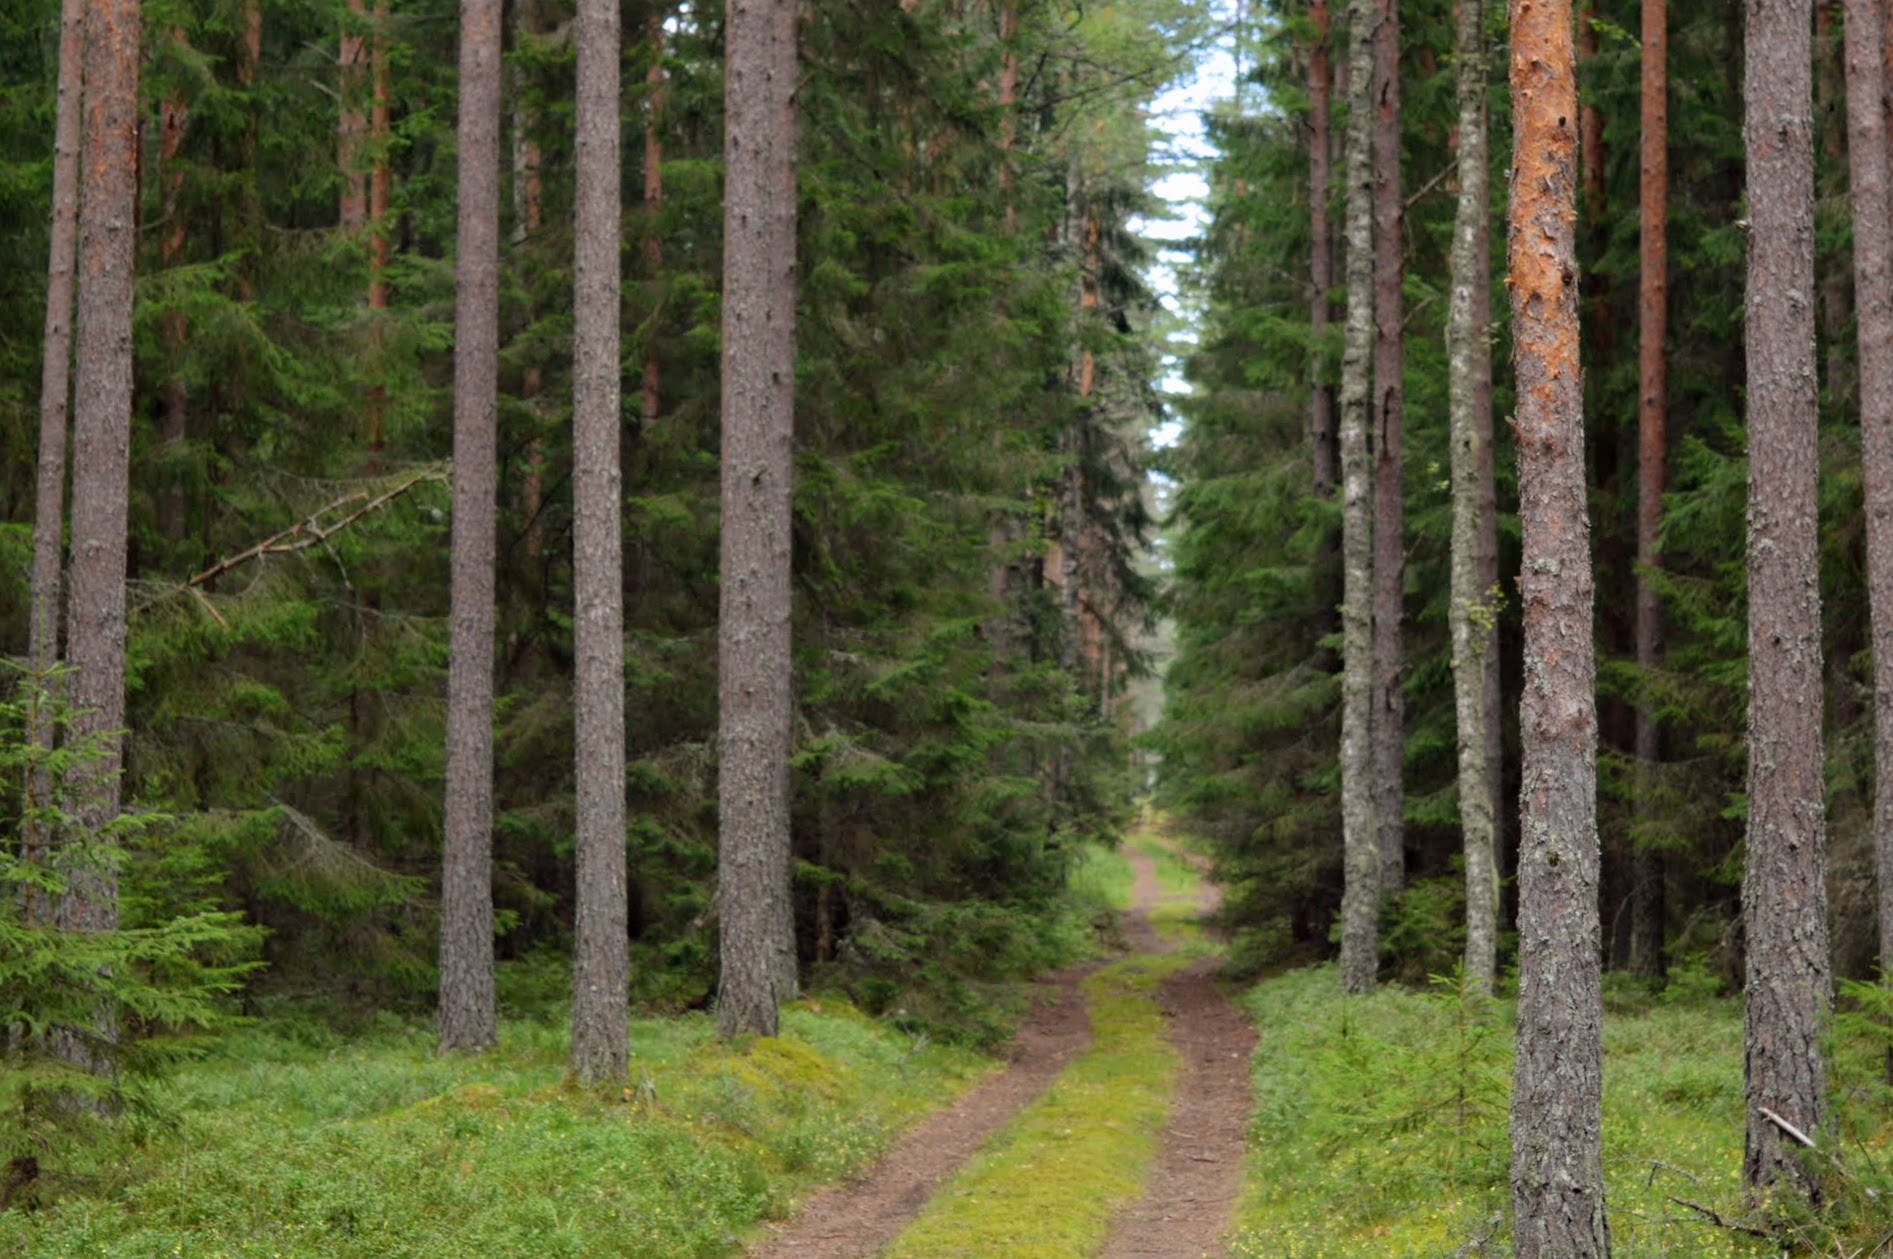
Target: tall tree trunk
x=1591, y=165
x=101, y=462
x=1647, y=910
x=1389, y=722
x=173, y=115
x=1557, y=1167
x=648, y=396
x=379, y=189
x=601, y=967
x=49, y=507
x=1320, y=247
x=1000, y=527
x=1486, y=511
x=757, y=928
x=1473, y=621
x=467, y=1018
x=1784, y=887
x=1873, y=289
x=351, y=126
x=1360, y=841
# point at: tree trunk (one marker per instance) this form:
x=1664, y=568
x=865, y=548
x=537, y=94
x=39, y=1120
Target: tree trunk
x=1473, y=618
x=467, y=1019
x=648, y=394
x=173, y=115
x=1873, y=290
x=1557, y=1169
x=379, y=190
x=1591, y=165
x=1389, y=720
x=757, y=928
x=1646, y=913
x=1784, y=889
x=1360, y=900
x=351, y=125
x=101, y=462
x=601, y=967
x=1320, y=248
x=49, y=508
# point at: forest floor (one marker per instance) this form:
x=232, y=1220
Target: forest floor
x=1041, y=1120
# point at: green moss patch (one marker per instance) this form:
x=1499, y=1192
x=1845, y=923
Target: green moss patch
x=1381, y=1125
x=293, y=1146
x=1048, y=1184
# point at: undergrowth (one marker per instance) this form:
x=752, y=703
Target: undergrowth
x=294, y=1144
x=1381, y=1125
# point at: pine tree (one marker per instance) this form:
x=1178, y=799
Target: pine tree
x=600, y=1046
x=101, y=462
x=1386, y=415
x=49, y=509
x=1321, y=436
x=1646, y=930
x=467, y=1014
x=1474, y=623
x=1360, y=906
x=1784, y=883
x=1873, y=290
x=1557, y=1085
x=757, y=935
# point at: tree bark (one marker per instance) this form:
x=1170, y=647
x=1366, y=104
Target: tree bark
x=1360, y=899
x=1389, y=721
x=173, y=116
x=757, y=930
x=351, y=125
x=1557, y=1170
x=1873, y=291
x=1646, y=915
x=101, y=485
x=1320, y=249
x=467, y=1016
x=601, y=967
x=1472, y=615
x=1784, y=888
x=49, y=507
x=648, y=394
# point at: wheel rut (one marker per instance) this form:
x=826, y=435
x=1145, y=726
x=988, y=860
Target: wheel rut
x=856, y=1219
x=1191, y=1191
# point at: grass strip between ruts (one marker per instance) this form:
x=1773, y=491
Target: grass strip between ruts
x=1048, y=1184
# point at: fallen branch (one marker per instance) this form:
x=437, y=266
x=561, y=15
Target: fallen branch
x=1799, y=1136
x=1715, y=1217
x=315, y=529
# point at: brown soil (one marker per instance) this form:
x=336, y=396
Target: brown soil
x=1191, y=1190
x=855, y=1220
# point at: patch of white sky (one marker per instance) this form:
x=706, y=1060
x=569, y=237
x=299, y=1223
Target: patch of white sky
x=1181, y=186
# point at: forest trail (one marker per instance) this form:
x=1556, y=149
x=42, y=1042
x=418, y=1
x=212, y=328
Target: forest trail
x=1191, y=1190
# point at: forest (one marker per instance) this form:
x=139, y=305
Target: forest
x=670, y=628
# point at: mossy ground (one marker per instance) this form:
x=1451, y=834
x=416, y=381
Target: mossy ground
x=293, y=1144
x=1381, y=1125
x=1048, y=1185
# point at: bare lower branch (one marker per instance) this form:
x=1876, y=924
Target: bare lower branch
x=315, y=529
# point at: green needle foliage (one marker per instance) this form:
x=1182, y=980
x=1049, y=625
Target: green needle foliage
x=92, y=1020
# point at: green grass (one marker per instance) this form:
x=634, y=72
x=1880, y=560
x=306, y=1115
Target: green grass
x=1381, y=1125
x=1101, y=881
x=1048, y=1184
x=291, y=1144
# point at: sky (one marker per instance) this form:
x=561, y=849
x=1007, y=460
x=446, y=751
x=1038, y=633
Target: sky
x=1178, y=113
